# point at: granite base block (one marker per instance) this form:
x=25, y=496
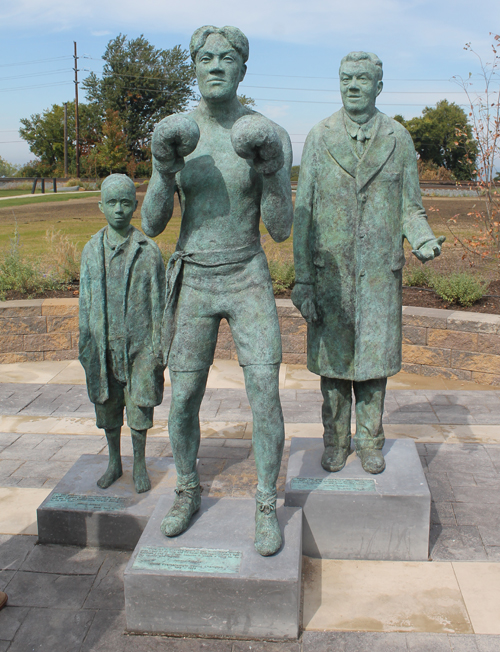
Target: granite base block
x=352, y=514
x=77, y=512
x=210, y=580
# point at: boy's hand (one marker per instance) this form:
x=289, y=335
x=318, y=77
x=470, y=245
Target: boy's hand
x=254, y=138
x=174, y=138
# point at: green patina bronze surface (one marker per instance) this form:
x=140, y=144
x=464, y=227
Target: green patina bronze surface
x=122, y=300
x=358, y=197
x=230, y=166
x=332, y=484
x=188, y=560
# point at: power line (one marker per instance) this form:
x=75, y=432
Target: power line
x=29, y=63
x=37, y=74
x=24, y=88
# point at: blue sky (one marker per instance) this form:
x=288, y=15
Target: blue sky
x=295, y=50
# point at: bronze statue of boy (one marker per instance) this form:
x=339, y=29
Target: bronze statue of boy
x=122, y=299
x=358, y=197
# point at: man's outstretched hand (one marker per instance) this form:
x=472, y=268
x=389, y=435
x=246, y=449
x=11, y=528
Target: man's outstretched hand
x=429, y=250
x=254, y=138
x=303, y=299
x=174, y=138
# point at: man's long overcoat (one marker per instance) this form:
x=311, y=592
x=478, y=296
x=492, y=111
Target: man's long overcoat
x=351, y=216
x=143, y=306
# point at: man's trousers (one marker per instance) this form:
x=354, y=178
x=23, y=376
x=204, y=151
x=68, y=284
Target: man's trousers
x=336, y=412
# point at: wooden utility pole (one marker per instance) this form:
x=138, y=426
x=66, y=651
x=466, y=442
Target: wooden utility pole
x=77, y=130
x=65, y=140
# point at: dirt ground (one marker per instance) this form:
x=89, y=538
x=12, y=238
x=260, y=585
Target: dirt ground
x=81, y=218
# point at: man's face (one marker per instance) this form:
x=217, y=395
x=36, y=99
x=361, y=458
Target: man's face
x=219, y=69
x=118, y=204
x=359, y=86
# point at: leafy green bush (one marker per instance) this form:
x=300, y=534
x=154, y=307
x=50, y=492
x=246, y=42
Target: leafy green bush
x=414, y=276
x=459, y=287
x=21, y=274
x=282, y=275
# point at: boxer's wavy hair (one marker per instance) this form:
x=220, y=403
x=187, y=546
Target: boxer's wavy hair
x=365, y=56
x=116, y=180
x=233, y=36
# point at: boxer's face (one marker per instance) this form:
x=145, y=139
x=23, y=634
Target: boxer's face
x=219, y=69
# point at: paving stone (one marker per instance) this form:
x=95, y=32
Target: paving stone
x=33, y=483
x=64, y=560
x=475, y=513
x=14, y=550
x=428, y=642
x=490, y=533
x=443, y=514
x=5, y=578
x=11, y=619
x=440, y=487
x=47, y=590
x=107, y=590
x=43, y=468
x=223, y=452
x=463, y=642
x=354, y=642
x=459, y=543
x=7, y=467
x=482, y=494
x=493, y=553
x=266, y=646
x=461, y=479
x=52, y=630
x=4, y=646
x=488, y=643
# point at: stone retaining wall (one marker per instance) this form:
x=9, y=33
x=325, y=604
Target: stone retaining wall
x=451, y=344
x=38, y=329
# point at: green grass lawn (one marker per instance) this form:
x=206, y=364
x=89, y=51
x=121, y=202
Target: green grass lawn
x=41, y=199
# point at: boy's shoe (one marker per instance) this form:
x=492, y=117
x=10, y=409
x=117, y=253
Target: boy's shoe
x=3, y=599
x=372, y=460
x=334, y=458
x=186, y=503
x=267, y=529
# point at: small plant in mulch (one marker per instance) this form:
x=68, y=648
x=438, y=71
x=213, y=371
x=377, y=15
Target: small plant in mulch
x=460, y=287
x=19, y=273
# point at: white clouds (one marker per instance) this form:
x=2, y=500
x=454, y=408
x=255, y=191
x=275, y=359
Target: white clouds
x=102, y=32
x=411, y=21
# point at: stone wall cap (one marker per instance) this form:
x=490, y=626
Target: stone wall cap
x=73, y=301
x=22, y=303
x=480, y=317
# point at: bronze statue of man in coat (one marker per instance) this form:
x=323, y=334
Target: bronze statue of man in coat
x=358, y=197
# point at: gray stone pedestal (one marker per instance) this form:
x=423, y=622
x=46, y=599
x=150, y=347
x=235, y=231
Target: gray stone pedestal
x=79, y=513
x=352, y=514
x=210, y=580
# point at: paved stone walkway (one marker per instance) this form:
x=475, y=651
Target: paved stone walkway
x=299, y=405
x=68, y=599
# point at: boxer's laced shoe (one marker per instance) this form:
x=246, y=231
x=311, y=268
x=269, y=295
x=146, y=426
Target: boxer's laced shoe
x=372, y=460
x=267, y=529
x=334, y=458
x=186, y=503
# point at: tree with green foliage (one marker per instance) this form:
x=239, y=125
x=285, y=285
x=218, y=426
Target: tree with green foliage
x=143, y=84
x=443, y=137
x=246, y=101
x=7, y=169
x=44, y=133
